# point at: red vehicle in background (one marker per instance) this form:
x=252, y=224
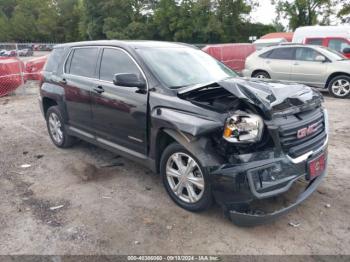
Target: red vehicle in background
x=34, y=67
x=286, y=35
x=340, y=44
x=10, y=74
x=232, y=55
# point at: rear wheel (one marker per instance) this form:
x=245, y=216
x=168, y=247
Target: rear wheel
x=185, y=179
x=261, y=75
x=56, y=128
x=339, y=86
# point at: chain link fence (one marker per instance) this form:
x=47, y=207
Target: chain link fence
x=20, y=63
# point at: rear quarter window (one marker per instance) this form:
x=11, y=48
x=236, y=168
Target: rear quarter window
x=285, y=53
x=82, y=62
x=54, y=60
x=266, y=54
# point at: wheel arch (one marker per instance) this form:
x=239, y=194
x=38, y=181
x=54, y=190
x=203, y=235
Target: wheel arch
x=163, y=139
x=333, y=75
x=259, y=71
x=200, y=147
x=47, y=103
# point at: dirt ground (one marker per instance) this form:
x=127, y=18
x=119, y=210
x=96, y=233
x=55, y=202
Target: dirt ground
x=86, y=200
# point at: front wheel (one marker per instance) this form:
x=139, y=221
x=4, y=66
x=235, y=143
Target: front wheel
x=184, y=178
x=339, y=86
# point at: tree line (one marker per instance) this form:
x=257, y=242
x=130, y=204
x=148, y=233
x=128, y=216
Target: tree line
x=311, y=12
x=191, y=21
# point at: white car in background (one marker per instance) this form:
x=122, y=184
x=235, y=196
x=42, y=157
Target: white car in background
x=262, y=43
x=311, y=65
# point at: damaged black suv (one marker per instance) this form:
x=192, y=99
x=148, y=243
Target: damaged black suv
x=210, y=134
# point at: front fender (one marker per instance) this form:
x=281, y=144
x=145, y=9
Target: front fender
x=187, y=122
x=200, y=147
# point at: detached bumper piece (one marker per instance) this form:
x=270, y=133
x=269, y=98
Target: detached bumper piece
x=249, y=216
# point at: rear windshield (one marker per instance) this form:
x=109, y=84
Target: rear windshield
x=54, y=59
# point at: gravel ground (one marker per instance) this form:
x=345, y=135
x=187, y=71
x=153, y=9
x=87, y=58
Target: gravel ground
x=86, y=200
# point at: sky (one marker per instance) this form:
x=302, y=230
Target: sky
x=265, y=13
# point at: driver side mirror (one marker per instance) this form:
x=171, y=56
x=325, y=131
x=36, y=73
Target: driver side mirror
x=346, y=50
x=320, y=58
x=129, y=80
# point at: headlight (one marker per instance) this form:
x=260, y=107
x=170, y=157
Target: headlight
x=243, y=128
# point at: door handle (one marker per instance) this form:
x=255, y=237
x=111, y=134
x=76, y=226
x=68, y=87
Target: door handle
x=296, y=63
x=99, y=90
x=63, y=81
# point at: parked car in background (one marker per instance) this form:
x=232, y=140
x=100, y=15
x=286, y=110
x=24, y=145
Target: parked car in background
x=288, y=36
x=210, y=134
x=232, y=55
x=262, y=43
x=43, y=47
x=34, y=67
x=25, y=52
x=312, y=65
x=339, y=44
x=8, y=53
x=301, y=33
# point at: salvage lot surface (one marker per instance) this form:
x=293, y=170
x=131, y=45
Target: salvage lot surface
x=86, y=200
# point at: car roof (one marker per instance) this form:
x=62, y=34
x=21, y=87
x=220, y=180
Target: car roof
x=291, y=45
x=269, y=40
x=127, y=43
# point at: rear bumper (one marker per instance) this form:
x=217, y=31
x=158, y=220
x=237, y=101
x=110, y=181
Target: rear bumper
x=40, y=101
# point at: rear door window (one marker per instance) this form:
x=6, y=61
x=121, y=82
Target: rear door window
x=306, y=54
x=286, y=53
x=83, y=62
x=115, y=61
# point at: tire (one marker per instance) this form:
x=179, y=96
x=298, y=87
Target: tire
x=201, y=197
x=261, y=75
x=56, y=128
x=339, y=86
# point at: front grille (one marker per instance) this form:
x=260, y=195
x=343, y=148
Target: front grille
x=289, y=127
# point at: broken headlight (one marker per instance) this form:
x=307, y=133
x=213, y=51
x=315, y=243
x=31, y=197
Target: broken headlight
x=243, y=128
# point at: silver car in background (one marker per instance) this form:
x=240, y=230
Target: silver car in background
x=315, y=66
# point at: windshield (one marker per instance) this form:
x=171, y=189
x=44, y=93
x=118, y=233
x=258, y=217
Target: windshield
x=178, y=67
x=332, y=54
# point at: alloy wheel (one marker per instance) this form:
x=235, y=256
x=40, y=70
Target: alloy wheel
x=55, y=127
x=341, y=87
x=261, y=76
x=185, y=177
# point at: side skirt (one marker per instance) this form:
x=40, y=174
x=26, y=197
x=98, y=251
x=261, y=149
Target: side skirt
x=113, y=147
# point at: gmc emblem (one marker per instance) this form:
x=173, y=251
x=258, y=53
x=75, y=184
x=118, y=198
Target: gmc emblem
x=307, y=131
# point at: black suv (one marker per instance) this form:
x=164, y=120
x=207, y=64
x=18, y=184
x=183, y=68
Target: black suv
x=210, y=134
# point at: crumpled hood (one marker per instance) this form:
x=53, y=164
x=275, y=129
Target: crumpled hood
x=272, y=97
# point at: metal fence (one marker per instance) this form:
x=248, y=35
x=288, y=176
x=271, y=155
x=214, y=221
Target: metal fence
x=19, y=63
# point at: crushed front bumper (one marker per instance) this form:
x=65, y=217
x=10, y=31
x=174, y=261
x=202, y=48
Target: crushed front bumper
x=246, y=219
x=238, y=187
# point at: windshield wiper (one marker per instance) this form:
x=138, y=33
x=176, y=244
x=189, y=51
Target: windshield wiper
x=180, y=86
